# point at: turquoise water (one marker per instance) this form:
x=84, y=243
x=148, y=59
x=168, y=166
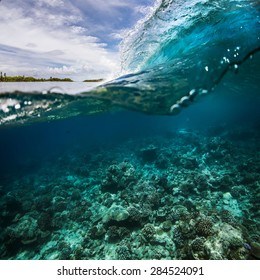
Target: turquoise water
x=160, y=163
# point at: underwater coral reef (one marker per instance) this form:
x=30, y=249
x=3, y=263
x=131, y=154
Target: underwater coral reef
x=179, y=195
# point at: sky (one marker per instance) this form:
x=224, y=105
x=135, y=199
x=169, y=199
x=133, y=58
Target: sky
x=65, y=38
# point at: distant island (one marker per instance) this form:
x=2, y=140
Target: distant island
x=93, y=81
x=5, y=78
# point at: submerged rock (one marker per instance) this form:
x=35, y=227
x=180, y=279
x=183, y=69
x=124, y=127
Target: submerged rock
x=204, y=227
x=255, y=249
x=118, y=177
x=25, y=231
x=198, y=248
x=115, y=213
x=148, y=231
x=149, y=154
x=115, y=233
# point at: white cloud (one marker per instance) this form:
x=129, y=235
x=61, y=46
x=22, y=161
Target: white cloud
x=72, y=37
x=54, y=42
x=106, y=6
x=62, y=70
x=78, y=29
x=52, y=3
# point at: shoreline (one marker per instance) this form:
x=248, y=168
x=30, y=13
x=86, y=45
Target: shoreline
x=18, y=79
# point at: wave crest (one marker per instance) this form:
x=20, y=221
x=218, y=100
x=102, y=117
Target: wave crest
x=180, y=51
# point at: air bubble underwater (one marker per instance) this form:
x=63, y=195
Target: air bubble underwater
x=9, y=104
x=236, y=68
x=186, y=100
x=55, y=89
x=175, y=109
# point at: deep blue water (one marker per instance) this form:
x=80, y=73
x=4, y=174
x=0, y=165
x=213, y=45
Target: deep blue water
x=24, y=149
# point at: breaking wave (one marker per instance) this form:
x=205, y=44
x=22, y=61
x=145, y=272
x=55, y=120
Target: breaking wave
x=181, y=50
